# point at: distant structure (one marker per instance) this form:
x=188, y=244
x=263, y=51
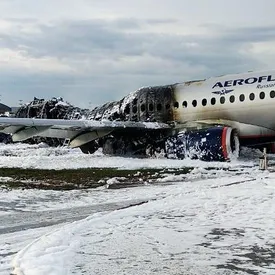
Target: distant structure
x=4, y=109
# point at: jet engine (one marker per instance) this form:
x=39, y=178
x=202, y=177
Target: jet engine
x=211, y=144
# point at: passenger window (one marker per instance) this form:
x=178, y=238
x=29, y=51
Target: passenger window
x=176, y=105
x=194, y=103
x=127, y=109
x=272, y=94
x=115, y=115
x=232, y=99
x=222, y=99
x=204, y=102
x=213, y=100
x=151, y=107
x=135, y=109
x=184, y=104
x=142, y=107
x=252, y=96
x=262, y=95
x=242, y=98
x=159, y=107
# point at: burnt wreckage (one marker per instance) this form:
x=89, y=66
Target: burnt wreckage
x=149, y=104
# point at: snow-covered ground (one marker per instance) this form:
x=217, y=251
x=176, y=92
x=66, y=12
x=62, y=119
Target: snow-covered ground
x=211, y=221
x=42, y=157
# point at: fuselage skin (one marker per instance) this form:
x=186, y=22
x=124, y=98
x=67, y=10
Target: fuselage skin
x=225, y=98
x=244, y=101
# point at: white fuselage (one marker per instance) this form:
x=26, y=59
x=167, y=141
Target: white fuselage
x=247, y=98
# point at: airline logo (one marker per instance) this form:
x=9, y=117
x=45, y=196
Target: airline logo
x=265, y=81
x=223, y=92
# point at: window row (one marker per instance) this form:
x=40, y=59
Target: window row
x=213, y=101
x=232, y=99
x=151, y=107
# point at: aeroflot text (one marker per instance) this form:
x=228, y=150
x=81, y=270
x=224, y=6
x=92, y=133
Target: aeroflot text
x=250, y=80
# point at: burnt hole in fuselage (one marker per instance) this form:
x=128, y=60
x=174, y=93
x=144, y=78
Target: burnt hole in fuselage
x=146, y=104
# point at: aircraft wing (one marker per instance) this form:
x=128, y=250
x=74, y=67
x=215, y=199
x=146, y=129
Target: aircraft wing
x=78, y=131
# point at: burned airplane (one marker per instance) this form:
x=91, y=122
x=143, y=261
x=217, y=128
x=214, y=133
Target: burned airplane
x=207, y=119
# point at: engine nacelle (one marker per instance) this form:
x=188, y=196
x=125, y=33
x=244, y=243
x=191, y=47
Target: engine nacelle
x=212, y=144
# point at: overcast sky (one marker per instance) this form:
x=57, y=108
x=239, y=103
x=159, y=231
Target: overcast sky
x=93, y=51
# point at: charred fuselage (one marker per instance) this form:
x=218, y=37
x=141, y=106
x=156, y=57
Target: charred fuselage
x=145, y=104
x=202, y=119
x=150, y=104
x=54, y=108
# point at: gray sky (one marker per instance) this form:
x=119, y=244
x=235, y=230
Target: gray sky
x=93, y=51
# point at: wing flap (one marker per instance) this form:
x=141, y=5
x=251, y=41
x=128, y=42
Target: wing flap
x=10, y=129
x=28, y=132
x=86, y=137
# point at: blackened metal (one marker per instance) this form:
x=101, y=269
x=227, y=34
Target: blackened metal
x=148, y=104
